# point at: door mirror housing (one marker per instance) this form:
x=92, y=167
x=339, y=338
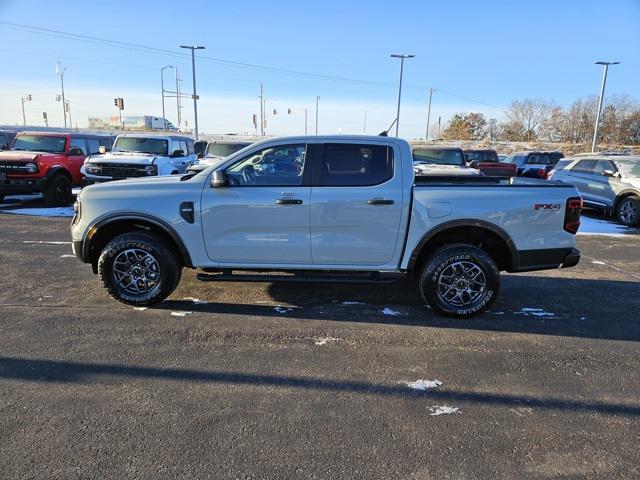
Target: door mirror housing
x=76, y=151
x=609, y=173
x=102, y=149
x=219, y=179
x=177, y=153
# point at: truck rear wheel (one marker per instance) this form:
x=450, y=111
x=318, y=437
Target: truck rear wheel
x=58, y=191
x=459, y=280
x=139, y=269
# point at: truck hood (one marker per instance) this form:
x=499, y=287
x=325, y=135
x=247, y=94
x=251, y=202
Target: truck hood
x=160, y=183
x=20, y=156
x=124, y=158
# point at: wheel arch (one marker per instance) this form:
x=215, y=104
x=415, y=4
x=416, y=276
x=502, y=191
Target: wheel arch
x=493, y=239
x=106, y=229
x=622, y=195
x=58, y=170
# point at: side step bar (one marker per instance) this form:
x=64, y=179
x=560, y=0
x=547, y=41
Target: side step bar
x=373, y=278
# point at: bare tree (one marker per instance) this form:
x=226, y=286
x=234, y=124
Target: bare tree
x=526, y=117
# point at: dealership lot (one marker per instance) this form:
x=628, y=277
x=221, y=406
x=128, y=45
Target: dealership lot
x=273, y=380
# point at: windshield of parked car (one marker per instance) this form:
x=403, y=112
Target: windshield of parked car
x=436, y=156
x=224, y=149
x=40, y=143
x=481, y=156
x=156, y=146
x=629, y=168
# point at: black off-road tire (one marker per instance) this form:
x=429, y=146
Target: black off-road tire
x=625, y=211
x=452, y=258
x=169, y=268
x=58, y=191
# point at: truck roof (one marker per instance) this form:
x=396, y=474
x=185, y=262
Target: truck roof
x=338, y=138
x=156, y=135
x=63, y=134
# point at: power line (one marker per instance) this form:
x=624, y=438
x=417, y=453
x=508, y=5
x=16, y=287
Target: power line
x=220, y=61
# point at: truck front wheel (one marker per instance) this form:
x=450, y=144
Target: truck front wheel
x=459, y=280
x=58, y=191
x=139, y=269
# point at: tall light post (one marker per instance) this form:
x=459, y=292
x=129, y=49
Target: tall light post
x=317, y=102
x=604, y=82
x=426, y=135
x=364, y=126
x=401, y=57
x=162, y=86
x=193, y=49
x=61, y=75
x=27, y=98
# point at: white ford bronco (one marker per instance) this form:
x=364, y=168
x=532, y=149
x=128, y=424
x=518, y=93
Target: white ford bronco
x=325, y=208
x=140, y=155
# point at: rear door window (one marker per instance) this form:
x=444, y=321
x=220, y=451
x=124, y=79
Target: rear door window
x=584, y=166
x=602, y=165
x=356, y=165
x=94, y=145
x=79, y=143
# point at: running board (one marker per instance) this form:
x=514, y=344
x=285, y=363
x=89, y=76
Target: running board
x=373, y=278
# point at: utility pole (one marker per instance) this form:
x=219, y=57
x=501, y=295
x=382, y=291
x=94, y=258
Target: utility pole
x=46, y=119
x=261, y=110
x=439, y=119
x=61, y=75
x=364, y=127
x=317, y=101
x=25, y=99
x=193, y=70
x=604, y=82
x=305, y=121
x=162, y=86
x=401, y=57
x=426, y=135
x=178, y=97
x=67, y=107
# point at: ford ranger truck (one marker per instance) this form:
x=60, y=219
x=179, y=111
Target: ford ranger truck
x=344, y=209
x=47, y=163
x=140, y=155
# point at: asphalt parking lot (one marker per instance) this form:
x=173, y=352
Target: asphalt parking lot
x=288, y=381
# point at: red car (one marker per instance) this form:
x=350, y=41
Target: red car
x=489, y=164
x=47, y=163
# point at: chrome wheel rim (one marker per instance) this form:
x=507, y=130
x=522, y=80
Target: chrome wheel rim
x=136, y=272
x=628, y=212
x=461, y=283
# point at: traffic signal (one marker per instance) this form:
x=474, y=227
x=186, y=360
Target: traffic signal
x=44, y=115
x=119, y=102
x=66, y=106
x=29, y=97
x=255, y=121
x=289, y=111
x=275, y=112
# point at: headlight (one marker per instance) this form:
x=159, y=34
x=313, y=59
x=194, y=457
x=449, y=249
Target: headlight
x=93, y=169
x=77, y=209
x=31, y=167
x=150, y=170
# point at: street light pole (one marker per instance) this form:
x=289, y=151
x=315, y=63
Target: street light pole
x=426, y=135
x=604, y=82
x=317, y=101
x=364, y=127
x=193, y=69
x=24, y=117
x=162, y=86
x=401, y=57
x=61, y=75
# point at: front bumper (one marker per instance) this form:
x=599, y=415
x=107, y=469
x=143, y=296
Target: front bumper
x=13, y=186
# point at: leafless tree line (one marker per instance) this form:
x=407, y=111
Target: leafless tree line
x=539, y=120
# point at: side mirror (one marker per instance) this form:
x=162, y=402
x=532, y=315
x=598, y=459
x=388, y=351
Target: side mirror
x=219, y=179
x=609, y=173
x=200, y=155
x=76, y=151
x=102, y=149
x=178, y=153
x=474, y=164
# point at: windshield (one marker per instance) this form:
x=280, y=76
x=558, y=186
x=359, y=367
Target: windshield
x=224, y=149
x=629, y=168
x=40, y=143
x=481, y=156
x=156, y=146
x=439, y=156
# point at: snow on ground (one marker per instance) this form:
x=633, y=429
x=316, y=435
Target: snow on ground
x=281, y=309
x=32, y=205
x=324, y=340
x=423, y=385
x=442, y=410
x=390, y=311
x=536, y=312
x=604, y=226
x=180, y=314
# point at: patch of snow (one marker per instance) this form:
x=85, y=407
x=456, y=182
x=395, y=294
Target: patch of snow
x=390, y=311
x=442, y=410
x=67, y=255
x=583, y=318
x=597, y=262
x=495, y=313
x=594, y=226
x=536, y=312
x=280, y=309
x=324, y=340
x=42, y=212
x=195, y=301
x=352, y=303
x=44, y=242
x=141, y=309
x=423, y=385
x=180, y=314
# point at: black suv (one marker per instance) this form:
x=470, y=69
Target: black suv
x=534, y=164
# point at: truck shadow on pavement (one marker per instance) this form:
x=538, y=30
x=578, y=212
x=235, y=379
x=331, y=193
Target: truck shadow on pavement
x=568, y=307
x=56, y=371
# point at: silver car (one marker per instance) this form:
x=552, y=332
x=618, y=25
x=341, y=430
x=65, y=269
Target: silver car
x=606, y=182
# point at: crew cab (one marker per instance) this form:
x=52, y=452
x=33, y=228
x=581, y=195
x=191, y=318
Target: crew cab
x=489, y=164
x=534, y=164
x=140, y=155
x=47, y=163
x=325, y=208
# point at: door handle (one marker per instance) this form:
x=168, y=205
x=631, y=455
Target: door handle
x=379, y=201
x=288, y=201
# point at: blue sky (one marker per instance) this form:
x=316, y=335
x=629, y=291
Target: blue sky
x=488, y=52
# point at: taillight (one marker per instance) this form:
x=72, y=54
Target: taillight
x=542, y=173
x=572, y=214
